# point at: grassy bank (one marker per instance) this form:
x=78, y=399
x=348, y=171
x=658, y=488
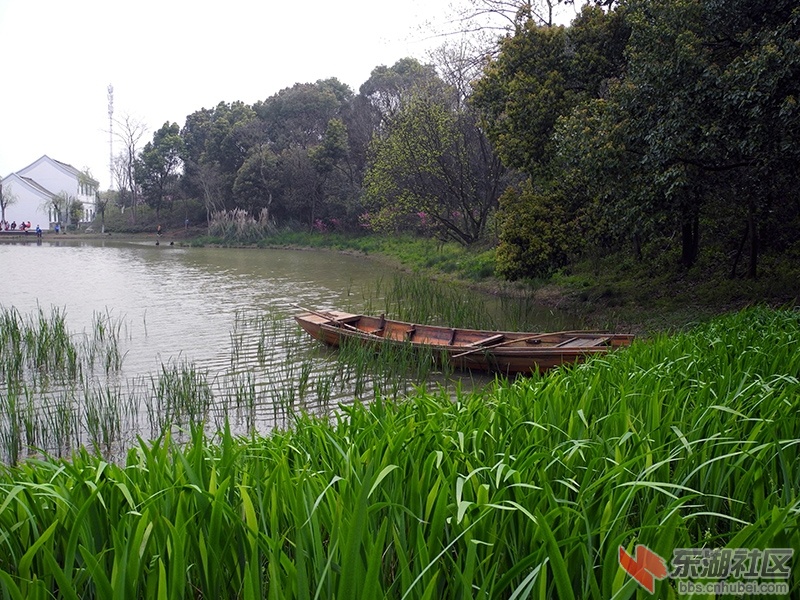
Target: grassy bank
x=607, y=291
x=523, y=491
x=410, y=252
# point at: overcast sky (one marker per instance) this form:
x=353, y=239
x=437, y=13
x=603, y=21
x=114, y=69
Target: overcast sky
x=169, y=58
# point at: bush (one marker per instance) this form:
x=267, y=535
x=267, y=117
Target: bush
x=536, y=237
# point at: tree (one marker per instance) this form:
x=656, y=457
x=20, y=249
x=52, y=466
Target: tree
x=101, y=203
x=709, y=111
x=508, y=15
x=211, y=183
x=6, y=200
x=59, y=207
x=216, y=143
x=298, y=116
x=542, y=74
x=129, y=132
x=340, y=175
x=74, y=212
x=301, y=187
x=541, y=77
x=256, y=181
x=304, y=129
x=389, y=87
x=434, y=168
x=536, y=232
x=158, y=165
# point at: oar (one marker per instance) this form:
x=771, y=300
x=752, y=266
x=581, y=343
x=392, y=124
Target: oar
x=507, y=342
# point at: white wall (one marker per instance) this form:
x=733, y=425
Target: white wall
x=28, y=203
x=59, y=178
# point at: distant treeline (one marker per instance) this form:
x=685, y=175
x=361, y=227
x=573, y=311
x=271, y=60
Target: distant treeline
x=664, y=128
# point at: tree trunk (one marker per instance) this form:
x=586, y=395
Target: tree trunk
x=752, y=226
x=690, y=236
x=637, y=246
x=739, y=252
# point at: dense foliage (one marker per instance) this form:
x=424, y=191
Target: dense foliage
x=659, y=120
x=649, y=126
x=525, y=491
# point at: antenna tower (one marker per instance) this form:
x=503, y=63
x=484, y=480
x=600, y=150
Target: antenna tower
x=111, y=136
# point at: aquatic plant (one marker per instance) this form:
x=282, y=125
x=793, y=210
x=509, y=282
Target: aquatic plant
x=524, y=490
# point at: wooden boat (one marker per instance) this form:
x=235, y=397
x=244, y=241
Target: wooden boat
x=504, y=352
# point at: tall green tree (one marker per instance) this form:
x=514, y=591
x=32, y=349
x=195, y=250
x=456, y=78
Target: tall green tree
x=159, y=164
x=341, y=176
x=216, y=144
x=298, y=116
x=389, y=87
x=434, y=169
x=708, y=112
x=540, y=76
x=303, y=126
x=257, y=181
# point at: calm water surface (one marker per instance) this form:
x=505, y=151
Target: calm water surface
x=224, y=314
x=175, y=302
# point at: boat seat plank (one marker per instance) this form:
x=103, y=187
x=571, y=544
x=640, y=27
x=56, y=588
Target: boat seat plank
x=578, y=342
x=334, y=319
x=488, y=340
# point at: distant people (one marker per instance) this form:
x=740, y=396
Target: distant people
x=158, y=230
x=13, y=225
x=38, y=231
x=58, y=227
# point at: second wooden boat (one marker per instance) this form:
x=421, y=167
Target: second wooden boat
x=507, y=352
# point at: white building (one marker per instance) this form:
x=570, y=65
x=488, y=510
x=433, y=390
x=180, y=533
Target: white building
x=32, y=190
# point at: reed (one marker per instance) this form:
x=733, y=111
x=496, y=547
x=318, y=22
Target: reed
x=419, y=299
x=525, y=490
x=238, y=226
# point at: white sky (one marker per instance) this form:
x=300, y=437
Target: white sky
x=169, y=58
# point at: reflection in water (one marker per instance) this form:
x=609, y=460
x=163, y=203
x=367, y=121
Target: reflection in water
x=203, y=334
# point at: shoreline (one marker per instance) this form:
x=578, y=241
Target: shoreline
x=595, y=305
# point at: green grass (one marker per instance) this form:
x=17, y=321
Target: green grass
x=413, y=253
x=655, y=294
x=523, y=491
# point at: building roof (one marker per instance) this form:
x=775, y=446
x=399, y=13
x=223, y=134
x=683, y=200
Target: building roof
x=39, y=189
x=64, y=166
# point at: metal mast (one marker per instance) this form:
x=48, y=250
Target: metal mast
x=110, y=137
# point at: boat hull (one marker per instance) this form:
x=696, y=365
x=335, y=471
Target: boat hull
x=503, y=352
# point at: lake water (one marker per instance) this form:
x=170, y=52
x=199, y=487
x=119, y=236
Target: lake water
x=223, y=315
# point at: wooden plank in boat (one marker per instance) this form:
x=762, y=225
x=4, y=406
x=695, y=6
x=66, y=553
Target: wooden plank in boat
x=578, y=342
x=488, y=340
